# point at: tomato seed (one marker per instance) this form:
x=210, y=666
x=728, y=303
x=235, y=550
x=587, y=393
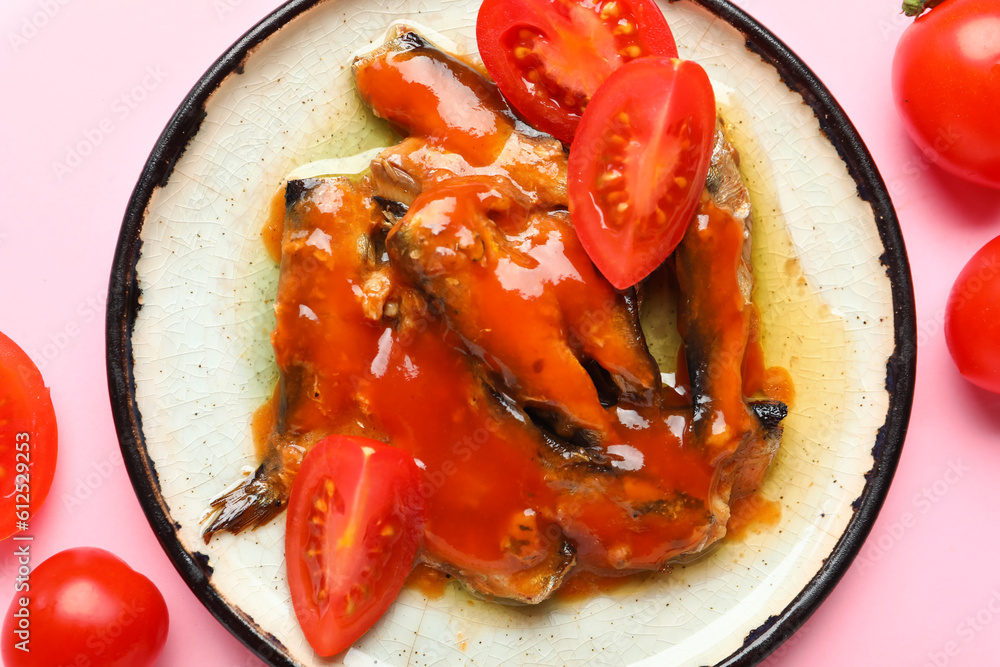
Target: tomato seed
x=608, y=178
x=615, y=197
x=626, y=27
x=611, y=11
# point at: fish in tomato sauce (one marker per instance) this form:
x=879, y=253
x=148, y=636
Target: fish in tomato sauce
x=584, y=461
x=529, y=305
x=456, y=124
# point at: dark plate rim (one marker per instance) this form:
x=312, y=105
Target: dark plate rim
x=124, y=304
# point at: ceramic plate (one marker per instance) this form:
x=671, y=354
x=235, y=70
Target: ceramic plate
x=190, y=312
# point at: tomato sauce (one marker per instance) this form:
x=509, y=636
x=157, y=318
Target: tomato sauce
x=499, y=499
x=274, y=226
x=777, y=383
x=427, y=580
x=470, y=120
x=583, y=585
x=752, y=511
x=753, y=357
x=263, y=423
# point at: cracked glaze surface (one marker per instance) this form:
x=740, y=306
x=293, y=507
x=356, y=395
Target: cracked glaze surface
x=203, y=361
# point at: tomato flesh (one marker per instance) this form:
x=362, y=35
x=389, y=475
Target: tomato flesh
x=549, y=56
x=355, y=521
x=638, y=165
x=86, y=607
x=946, y=83
x=972, y=318
x=28, y=438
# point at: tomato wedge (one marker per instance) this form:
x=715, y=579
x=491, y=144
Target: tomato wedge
x=638, y=165
x=28, y=438
x=355, y=520
x=549, y=56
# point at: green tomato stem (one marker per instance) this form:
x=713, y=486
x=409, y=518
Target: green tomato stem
x=918, y=7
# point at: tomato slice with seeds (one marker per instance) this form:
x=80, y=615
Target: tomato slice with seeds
x=28, y=438
x=355, y=521
x=638, y=165
x=549, y=56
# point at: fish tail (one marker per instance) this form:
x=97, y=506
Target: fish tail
x=253, y=503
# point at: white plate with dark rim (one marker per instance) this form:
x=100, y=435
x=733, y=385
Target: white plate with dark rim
x=189, y=356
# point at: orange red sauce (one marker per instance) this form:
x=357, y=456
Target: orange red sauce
x=752, y=511
x=497, y=500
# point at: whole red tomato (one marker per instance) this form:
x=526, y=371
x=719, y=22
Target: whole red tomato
x=83, y=607
x=28, y=439
x=946, y=82
x=972, y=318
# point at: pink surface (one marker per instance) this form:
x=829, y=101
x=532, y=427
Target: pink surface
x=925, y=589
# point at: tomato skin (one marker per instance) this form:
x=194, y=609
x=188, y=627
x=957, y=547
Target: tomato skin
x=946, y=84
x=638, y=165
x=972, y=318
x=542, y=53
x=87, y=606
x=355, y=522
x=25, y=408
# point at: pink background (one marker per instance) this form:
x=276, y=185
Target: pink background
x=924, y=582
